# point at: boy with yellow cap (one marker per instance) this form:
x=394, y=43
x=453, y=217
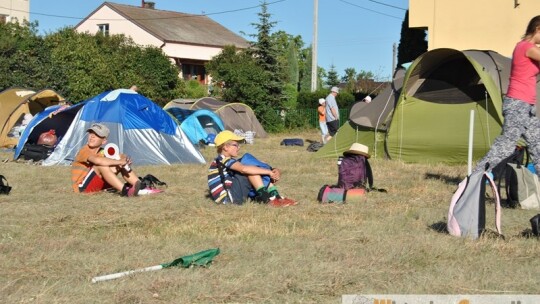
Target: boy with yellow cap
x=231, y=181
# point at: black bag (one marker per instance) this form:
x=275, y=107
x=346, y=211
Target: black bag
x=149, y=182
x=35, y=152
x=292, y=142
x=4, y=188
x=314, y=147
x=535, y=224
x=502, y=172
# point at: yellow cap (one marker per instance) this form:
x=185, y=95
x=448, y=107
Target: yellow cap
x=225, y=136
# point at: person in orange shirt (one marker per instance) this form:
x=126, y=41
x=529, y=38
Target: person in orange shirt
x=91, y=171
x=322, y=119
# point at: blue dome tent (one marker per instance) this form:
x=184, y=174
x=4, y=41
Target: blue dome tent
x=197, y=124
x=138, y=126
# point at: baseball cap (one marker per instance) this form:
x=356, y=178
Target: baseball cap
x=225, y=136
x=334, y=89
x=321, y=101
x=367, y=99
x=100, y=130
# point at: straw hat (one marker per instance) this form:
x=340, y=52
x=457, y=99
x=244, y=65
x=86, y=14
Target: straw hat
x=359, y=149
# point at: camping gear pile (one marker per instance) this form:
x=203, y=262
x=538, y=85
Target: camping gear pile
x=355, y=177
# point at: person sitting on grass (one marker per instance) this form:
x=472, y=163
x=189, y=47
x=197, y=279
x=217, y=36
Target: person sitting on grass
x=232, y=180
x=91, y=171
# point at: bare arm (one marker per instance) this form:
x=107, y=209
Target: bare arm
x=533, y=53
x=104, y=161
x=275, y=174
x=334, y=112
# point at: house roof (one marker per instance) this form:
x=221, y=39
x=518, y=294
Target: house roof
x=178, y=27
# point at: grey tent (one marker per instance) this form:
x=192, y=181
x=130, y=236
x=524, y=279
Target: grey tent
x=235, y=116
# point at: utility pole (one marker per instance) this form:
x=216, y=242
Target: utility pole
x=394, y=56
x=314, y=46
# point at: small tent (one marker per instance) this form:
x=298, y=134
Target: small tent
x=234, y=115
x=197, y=124
x=57, y=118
x=138, y=126
x=15, y=103
x=430, y=119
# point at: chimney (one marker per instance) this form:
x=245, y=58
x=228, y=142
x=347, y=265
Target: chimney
x=149, y=4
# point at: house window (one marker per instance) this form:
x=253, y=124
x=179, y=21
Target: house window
x=104, y=29
x=194, y=71
x=3, y=19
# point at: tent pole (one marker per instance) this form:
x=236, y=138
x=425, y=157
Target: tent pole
x=471, y=132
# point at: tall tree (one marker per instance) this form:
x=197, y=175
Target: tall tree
x=350, y=79
x=266, y=55
x=412, y=43
x=332, y=78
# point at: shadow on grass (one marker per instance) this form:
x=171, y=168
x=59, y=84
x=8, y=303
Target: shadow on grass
x=439, y=227
x=453, y=180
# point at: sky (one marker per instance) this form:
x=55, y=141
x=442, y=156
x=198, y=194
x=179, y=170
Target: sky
x=357, y=34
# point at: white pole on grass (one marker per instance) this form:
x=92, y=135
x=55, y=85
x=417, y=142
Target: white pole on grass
x=471, y=132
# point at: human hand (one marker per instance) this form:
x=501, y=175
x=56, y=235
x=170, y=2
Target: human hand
x=276, y=175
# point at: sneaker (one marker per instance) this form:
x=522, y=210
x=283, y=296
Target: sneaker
x=282, y=202
x=147, y=191
x=134, y=190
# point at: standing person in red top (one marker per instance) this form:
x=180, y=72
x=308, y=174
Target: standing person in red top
x=91, y=171
x=519, y=105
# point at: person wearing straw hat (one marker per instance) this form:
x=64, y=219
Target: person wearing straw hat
x=322, y=119
x=233, y=181
x=332, y=113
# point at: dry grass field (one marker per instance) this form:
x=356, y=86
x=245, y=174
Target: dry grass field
x=53, y=242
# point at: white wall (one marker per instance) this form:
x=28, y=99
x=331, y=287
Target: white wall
x=18, y=10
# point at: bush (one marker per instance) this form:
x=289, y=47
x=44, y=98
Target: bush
x=310, y=100
x=195, y=90
x=270, y=119
x=295, y=119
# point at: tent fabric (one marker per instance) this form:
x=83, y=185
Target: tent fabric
x=15, y=103
x=57, y=118
x=197, y=124
x=367, y=122
x=138, y=126
x=235, y=116
x=430, y=116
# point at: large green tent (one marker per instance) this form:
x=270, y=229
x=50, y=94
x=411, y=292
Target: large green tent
x=430, y=119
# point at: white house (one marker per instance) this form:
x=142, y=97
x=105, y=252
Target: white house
x=14, y=11
x=189, y=40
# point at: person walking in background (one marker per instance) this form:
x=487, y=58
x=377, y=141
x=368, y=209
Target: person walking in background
x=322, y=119
x=332, y=113
x=519, y=105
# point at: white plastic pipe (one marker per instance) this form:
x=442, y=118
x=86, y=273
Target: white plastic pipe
x=471, y=135
x=125, y=273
